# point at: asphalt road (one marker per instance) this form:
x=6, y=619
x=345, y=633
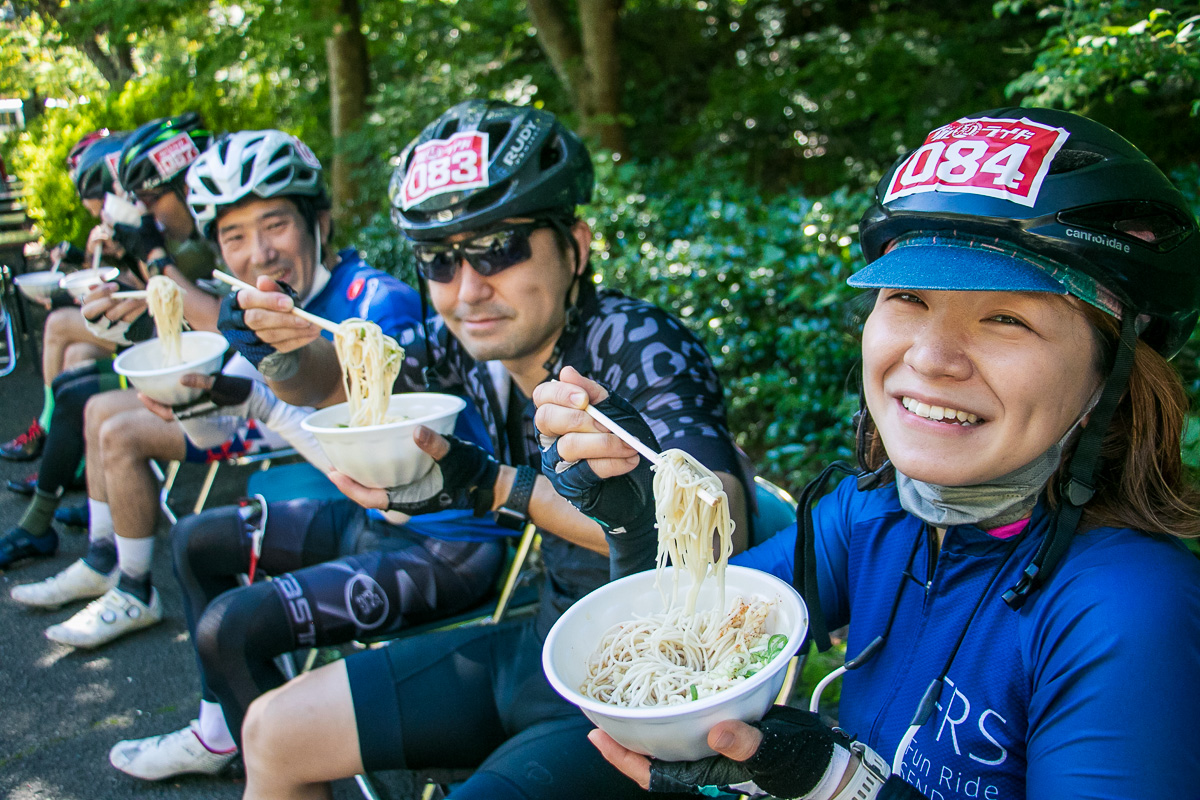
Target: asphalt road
x=61, y=709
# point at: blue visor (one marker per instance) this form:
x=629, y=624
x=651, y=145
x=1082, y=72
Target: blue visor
x=944, y=263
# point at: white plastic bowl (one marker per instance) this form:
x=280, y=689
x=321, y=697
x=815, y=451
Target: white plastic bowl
x=382, y=456
x=202, y=351
x=82, y=283
x=679, y=732
x=38, y=286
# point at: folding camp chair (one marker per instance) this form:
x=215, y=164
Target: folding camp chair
x=167, y=477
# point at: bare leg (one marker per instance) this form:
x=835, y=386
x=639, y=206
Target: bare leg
x=64, y=327
x=79, y=353
x=128, y=441
x=99, y=408
x=299, y=737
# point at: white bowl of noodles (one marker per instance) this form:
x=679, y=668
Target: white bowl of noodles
x=382, y=456
x=142, y=364
x=672, y=732
x=85, y=281
x=38, y=286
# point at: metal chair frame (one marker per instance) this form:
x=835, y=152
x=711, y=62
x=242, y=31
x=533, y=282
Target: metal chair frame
x=166, y=476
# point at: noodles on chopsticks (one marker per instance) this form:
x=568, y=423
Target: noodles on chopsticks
x=682, y=654
x=370, y=363
x=165, y=302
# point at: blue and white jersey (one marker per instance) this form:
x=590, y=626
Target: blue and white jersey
x=1089, y=690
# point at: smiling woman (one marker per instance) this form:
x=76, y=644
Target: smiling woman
x=1008, y=550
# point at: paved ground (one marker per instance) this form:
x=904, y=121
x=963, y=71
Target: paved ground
x=60, y=709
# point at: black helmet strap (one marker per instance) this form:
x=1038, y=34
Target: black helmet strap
x=570, y=304
x=1079, y=484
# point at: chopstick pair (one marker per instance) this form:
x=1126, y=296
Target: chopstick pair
x=320, y=322
x=637, y=444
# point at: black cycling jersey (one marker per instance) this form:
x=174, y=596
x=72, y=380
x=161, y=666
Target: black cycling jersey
x=478, y=697
x=633, y=348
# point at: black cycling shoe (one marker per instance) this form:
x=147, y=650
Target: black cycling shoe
x=19, y=544
x=23, y=486
x=74, y=516
x=27, y=446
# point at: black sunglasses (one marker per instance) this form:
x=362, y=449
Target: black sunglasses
x=487, y=253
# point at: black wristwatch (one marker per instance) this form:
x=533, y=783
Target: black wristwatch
x=514, y=514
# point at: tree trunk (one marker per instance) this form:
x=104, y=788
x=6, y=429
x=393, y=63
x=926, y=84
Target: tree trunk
x=586, y=62
x=116, y=71
x=349, y=76
x=598, y=32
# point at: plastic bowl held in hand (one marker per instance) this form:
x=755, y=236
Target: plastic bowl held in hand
x=38, y=286
x=82, y=283
x=141, y=364
x=675, y=732
x=382, y=456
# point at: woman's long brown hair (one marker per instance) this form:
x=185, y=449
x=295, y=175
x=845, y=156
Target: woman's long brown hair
x=1142, y=483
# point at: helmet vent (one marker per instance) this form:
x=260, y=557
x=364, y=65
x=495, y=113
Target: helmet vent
x=1158, y=227
x=552, y=153
x=1071, y=160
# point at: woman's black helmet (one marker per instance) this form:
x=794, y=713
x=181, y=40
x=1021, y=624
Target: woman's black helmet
x=158, y=153
x=482, y=162
x=1064, y=187
x=96, y=167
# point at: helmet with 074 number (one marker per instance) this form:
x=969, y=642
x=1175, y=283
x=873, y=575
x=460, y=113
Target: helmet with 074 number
x=158, y=153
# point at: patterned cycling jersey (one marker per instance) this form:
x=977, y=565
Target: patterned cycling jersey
x=633, y=348
x=1088, y=691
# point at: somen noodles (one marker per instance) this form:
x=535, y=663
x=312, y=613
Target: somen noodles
x=165, y=302
x=682, y=655
x=370, y=363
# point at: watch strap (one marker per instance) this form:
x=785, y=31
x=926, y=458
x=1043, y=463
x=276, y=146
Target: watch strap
x=869, y=776
x=514, y=513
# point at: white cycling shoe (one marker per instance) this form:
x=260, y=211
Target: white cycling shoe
x=109, y=617
x=170, y=754
x=77, y=582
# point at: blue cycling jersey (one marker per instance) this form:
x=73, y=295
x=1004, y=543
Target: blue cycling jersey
x=357, y=290
x=1089, y=690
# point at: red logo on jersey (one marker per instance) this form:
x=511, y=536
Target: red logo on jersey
x=355, y=288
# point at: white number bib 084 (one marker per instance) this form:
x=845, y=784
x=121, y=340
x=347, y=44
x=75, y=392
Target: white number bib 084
x=445, y=165
x=1001, y=158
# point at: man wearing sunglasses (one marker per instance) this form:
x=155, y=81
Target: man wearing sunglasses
x=487, y=197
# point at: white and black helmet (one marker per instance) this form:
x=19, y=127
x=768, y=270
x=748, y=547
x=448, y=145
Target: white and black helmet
x=264, y=164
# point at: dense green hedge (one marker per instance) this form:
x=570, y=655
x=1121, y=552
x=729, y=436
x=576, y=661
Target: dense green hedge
x=761, y=280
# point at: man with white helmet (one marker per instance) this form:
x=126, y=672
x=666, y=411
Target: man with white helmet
x=256, y=192
x=285, y=240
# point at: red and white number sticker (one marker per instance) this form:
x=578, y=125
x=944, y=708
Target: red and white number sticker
x=110, y=161
x=996, y=157
x=174, y=154
x=445, y=165
x=306, y=154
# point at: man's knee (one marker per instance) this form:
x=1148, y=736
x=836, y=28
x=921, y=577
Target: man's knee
x=77, y=354
x=233, y=624
x=60, y=324
x=264, y=731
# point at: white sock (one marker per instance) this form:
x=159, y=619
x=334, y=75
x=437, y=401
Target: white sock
x=134, y=556
x=100, y=523
x=214, y=732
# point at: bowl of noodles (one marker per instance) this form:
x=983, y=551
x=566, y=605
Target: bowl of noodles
x=83, y=282
x=620, y=644
x=384, y=455
x=154, y=372
x=38, y=286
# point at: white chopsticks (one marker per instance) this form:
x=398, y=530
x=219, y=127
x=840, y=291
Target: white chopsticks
x=637, y=444
x=320, y=322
